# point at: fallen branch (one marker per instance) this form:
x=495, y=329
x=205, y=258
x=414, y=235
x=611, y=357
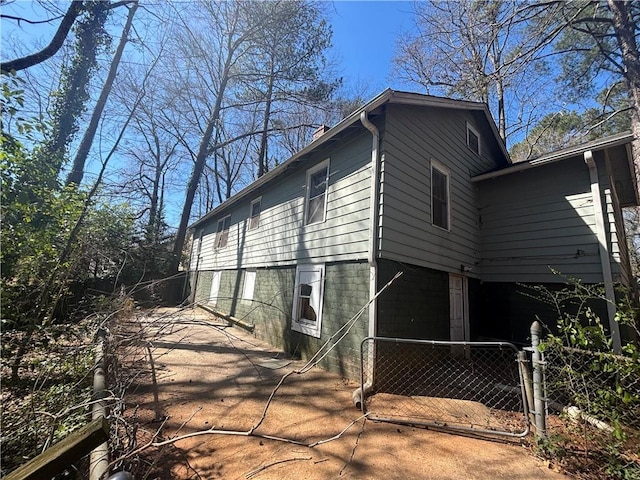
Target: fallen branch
x=264, y=467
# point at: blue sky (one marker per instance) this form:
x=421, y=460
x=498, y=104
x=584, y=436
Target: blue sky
x=364, y=39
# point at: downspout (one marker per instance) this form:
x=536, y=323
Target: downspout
x=360, y=393
x=605, y=261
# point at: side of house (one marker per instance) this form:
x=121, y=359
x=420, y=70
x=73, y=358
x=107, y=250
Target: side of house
x=429, y=226
x=548, y=221
x=295, y=255
x=297, y=243
x=424, y=186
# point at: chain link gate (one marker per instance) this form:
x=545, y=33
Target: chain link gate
x=475, y=387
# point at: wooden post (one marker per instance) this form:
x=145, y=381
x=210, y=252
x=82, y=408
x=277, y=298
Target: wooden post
x=56, y=459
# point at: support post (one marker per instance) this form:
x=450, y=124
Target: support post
x=99, y=458
x=527, y=383
x=538, y=387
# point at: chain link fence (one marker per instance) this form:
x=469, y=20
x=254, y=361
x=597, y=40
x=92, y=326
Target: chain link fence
x=593, y=402
x=476, y=387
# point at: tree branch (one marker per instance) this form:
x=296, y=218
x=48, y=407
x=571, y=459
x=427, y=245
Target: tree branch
x=50, y=50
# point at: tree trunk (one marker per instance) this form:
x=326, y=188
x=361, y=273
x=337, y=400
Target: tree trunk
x=77, y=171
x=198, y=167
x=625, y=30
x=263, y=162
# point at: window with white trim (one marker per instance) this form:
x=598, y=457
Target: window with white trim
x=254, y=214
x=316, y=201
x=249, y=284
x=308, y=299
x=440, y=210
x=473, y=139
x=222, y=232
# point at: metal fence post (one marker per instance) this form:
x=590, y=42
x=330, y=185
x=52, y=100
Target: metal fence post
x=99, y=458
x=538, y=387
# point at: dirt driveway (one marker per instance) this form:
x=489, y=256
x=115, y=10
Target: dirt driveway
x=210, y=376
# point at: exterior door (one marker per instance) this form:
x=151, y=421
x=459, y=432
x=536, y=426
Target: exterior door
x=458, y=308
x=215, y=288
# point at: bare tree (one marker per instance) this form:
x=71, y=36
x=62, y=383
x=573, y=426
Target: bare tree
x=52, y=48
x=599, y=51
x=490, y=52
x=213, y=55
x=77, y=169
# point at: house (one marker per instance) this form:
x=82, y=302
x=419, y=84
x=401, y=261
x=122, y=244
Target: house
x=422, y=185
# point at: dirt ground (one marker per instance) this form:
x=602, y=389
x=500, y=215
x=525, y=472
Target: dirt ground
x=209, y=376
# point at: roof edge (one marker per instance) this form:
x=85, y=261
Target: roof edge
x=558, y=155
x=386, y=96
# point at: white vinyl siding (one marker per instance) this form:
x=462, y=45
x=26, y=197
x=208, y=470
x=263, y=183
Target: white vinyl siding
x=283, y=238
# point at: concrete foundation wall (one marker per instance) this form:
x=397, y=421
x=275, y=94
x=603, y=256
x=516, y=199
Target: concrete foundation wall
x=416, y=305
x=346, y=291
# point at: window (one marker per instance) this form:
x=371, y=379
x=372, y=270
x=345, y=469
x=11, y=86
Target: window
x=307, y=301
x=222, y=232
x=249, y=284
x=215, y=288
x=317, y=180
x=439, y=195
x=473, y=139
x=254, y=219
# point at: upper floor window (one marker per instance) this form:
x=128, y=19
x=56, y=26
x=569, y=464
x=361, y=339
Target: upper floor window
x=317, y=182
x=256, y=208
x=439, y=195
x=473, y=139
x=222, y=232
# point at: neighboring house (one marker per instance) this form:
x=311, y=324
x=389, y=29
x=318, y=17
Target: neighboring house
x=422, y=185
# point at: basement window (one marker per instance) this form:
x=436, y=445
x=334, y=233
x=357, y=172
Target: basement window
x=249, y=284
x=307, y=300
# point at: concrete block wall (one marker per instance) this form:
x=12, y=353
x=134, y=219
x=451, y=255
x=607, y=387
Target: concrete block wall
x=416, y=305
x=346, y=291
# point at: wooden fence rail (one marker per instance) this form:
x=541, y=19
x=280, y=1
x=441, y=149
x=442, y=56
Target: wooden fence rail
x=57, y=458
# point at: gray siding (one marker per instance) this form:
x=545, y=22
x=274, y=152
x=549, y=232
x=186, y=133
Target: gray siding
x=538, y=220
x=282, y=238
x=413, y=137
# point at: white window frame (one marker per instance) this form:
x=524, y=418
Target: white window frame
x=307, y=204
x=222, y=234
x=442, y=170
x=309, y=327
x=248, y=284
x=254, y=220
x=214, y=290
x=470, y=129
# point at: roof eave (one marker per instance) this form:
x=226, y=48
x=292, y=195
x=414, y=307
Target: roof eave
x=388, y=95
x=602, y=144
